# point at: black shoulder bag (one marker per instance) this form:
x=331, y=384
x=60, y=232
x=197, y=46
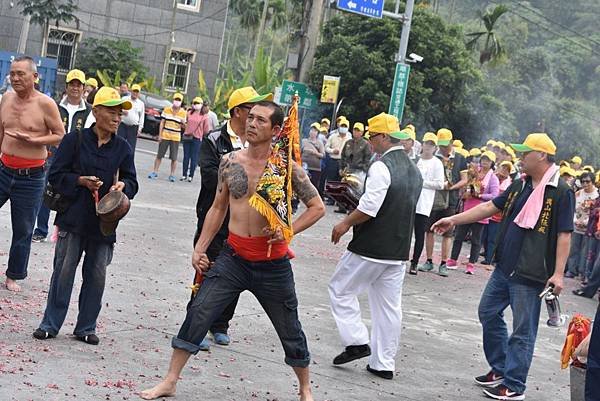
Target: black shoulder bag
x=54, y=200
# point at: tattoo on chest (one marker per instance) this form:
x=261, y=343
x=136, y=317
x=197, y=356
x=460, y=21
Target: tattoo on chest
x=237, y=180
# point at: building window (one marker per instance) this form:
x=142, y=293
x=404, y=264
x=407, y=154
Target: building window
x=61, y=45
x=178, y=72
x=192, y=5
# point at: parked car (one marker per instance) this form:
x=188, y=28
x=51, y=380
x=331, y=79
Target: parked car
x=154, y=107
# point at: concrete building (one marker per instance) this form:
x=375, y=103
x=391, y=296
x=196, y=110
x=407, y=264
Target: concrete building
x=193, y=38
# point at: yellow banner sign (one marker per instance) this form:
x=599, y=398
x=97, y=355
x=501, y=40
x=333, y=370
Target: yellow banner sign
x=330, y=90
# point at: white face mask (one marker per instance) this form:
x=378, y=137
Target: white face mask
x=176, y=103
x=343, y=130
x=197, y=107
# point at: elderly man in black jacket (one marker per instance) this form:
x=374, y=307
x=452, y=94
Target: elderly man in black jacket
x=230, y=137
x=86, y=162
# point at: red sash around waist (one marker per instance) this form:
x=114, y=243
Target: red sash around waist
x=17, y=162
x=256, y=249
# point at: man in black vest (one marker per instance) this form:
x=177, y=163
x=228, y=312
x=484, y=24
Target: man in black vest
x=376, y=257
x=75, y=114
x=230, y=137
x=531, y=252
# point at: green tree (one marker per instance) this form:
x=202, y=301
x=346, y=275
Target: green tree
x=492, y=49
x=111, y=56
x=43, y=12
x=445, y=90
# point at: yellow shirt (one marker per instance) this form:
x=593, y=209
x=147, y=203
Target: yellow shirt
x=173, y=124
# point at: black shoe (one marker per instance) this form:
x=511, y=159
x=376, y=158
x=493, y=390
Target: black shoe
x=42, y=335
x=38, y=238
x=340, y=210
x=502, y=392
x=489, y=380
x=91, y=339
x=351, y=353
x=384, y=374
x=580, y=293
x=329, y=202
x=413, y=269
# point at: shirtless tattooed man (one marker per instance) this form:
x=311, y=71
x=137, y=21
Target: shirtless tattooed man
x=29, y=121
x=243, y=263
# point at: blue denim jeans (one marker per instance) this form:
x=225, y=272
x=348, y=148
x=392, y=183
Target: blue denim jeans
x=590, y=289
x=67, y=254
x=511, y=355
x=191, y=153
x=271, y=282
x=593, y=250
x=577, y=254
x=25, y=194
x=41, y=227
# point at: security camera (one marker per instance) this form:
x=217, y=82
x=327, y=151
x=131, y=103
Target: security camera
x=415, y=58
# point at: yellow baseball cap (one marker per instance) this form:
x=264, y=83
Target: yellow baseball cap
x=383, y=123
x=246, y=94
x=410, y=130
x=198, y=99
x=508, y=164
x=490, y=155
x=177, y=96
x=564, y=163
x=430, y=137
x=110, y=97
x=326, y=121
x=462, y=151
x=474, y=152
x=588, y=168
x=490, y=142
x=92, y=82
x=511, y=152
x=337, y=120
x=457, y=143
x=564, y=170
x=136, y=87
x=501, y=145
x=343, y=121
x=444, y=136
x=359, y=126
x=76, y=74
x=577, y=159
x=539, y=142
x=316, y=125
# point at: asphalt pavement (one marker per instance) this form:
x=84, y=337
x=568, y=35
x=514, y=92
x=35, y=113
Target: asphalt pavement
x=144, y=304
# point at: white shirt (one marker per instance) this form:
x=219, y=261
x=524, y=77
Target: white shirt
x=336, y=142
x=214, y=120
x=135, y=115
x=432, y=171
x=236, y=141
x=377, y=184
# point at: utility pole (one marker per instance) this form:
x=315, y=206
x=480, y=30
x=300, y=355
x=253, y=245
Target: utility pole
x=310, y=37
x=169, y=46
x=406, y=21
x=24, y=34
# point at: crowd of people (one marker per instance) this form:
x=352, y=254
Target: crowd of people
x=532, y=217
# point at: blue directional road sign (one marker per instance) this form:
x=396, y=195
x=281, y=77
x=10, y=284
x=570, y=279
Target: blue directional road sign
x=369, y=8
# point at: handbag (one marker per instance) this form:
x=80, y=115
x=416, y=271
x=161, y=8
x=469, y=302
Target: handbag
x=53, y=199
x=441, y=200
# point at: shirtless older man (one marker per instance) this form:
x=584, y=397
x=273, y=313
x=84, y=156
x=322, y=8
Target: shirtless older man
x=29, y=121
x=244, y=262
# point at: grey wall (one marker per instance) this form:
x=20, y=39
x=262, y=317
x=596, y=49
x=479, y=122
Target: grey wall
x=146, y=23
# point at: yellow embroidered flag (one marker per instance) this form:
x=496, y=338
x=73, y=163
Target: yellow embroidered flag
x=273, y=196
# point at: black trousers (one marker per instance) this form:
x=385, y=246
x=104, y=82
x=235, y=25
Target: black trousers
x=129, y=133
x=460, y=235
x=420, y=229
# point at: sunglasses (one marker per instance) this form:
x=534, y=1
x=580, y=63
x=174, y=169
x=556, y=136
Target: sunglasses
x=371, y=136
x=586, y=181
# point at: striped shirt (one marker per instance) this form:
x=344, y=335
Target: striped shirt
x=173, y=123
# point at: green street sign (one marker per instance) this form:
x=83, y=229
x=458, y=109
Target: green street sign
x=307, y=100
x=399, y=91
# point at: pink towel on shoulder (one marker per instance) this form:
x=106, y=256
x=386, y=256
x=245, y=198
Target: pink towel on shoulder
x=529, y=215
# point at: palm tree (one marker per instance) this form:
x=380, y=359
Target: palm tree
x=492, y=49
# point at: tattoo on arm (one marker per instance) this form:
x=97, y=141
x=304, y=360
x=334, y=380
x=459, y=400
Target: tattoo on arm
x=302, y=185
x=221, y=175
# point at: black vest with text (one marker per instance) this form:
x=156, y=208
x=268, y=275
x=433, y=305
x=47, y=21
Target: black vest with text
x=388, y=235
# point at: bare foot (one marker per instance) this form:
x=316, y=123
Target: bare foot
x=12, y=285
x=163, y=389
x=306, y=395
